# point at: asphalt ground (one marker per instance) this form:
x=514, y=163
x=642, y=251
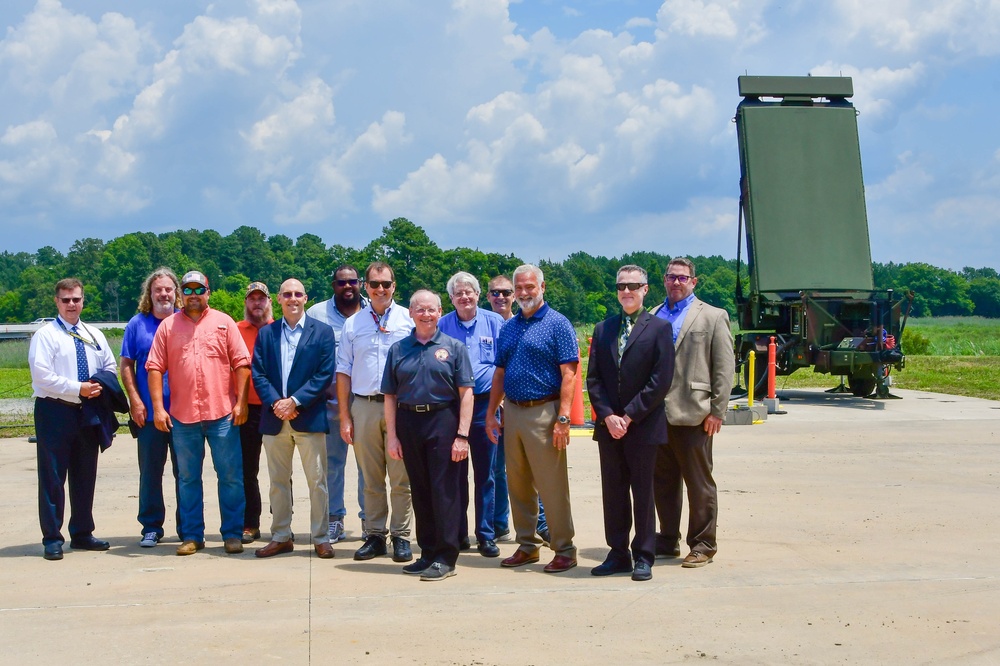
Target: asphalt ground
x=850, y=531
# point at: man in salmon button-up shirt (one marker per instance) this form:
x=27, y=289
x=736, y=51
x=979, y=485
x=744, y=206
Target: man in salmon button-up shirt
x=208, y=370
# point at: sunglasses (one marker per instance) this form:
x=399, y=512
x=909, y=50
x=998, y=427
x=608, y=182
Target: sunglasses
x=343, y=283
x=375, y=284
x=198, y=291
x=497, y=293
x=71, y=299
x=683, y=279
x=631, y=286
x=292, y=294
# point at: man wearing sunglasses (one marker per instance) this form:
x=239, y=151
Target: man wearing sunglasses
x=361, y=355
x=63, y=357
x=704, y=365
x=631, y=367
x=208, y=370
x=346, y=301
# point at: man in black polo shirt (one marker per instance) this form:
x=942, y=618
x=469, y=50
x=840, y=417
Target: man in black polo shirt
x=427, y=385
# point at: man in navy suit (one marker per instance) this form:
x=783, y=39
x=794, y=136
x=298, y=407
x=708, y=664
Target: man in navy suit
x=293, y=364
x=630, y=371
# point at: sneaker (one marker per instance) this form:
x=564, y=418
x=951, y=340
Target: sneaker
x=503, y=535
x=418, y=566
x=250, y=534
x=336, y=531
x=437, y=571
x=149, y=539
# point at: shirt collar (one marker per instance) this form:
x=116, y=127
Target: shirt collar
x=681, y=305
x=300, y=324
x=539, y=313
x=634, y=316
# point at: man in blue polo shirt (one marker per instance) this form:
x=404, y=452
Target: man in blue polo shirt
x=159, y=300
x=536, y=362
x=478, y=330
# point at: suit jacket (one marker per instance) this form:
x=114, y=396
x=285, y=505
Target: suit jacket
x=704, y=366
x=99, y=412
x=637, y=383
x=311, y=373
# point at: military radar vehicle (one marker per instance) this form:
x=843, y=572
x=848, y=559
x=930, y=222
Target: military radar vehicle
x=802, y=205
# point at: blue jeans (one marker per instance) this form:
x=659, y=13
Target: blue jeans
x=501, y=511
x=483, y=454
x=336, y=462
x=227, y=458
x=153, y=447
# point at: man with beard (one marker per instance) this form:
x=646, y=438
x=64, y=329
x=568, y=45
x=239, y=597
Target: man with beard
x=293, y=364
x=537, y=356
x=208, y=369
x=63, y=356
x=160, y=299
x=346, y=301
x=477, y=330
x=361, y=354
x=257, y=313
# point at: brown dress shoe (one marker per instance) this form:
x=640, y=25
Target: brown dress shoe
x=559, y=564
x=190, y=547
x=324, y=551
x=696, y=559
x=275, y=548
x=520, y=558
x=233, y=545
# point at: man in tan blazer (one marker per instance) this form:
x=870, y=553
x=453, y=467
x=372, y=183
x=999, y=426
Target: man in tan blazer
x=704, y=365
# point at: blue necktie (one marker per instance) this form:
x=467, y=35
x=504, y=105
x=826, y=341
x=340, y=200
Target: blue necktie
x=82, y=373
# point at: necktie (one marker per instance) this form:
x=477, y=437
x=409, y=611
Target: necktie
x=82, y=373
x=623, y=338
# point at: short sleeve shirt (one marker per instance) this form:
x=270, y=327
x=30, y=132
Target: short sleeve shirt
x=138, y=339
x=480, y=339
x=420, y=374
x=531, y=350
x=249, y=333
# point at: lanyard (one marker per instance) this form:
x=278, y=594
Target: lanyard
x=381, y=323
x=74, y=334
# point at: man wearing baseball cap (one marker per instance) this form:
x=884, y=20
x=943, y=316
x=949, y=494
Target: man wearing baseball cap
x=208, y=370
x=257, y=313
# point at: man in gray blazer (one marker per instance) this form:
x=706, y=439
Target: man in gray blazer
x=704, y=365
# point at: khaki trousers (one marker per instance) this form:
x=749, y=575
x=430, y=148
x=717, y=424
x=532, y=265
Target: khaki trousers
x=312, y=452
x=375, y=464
x=536, y=468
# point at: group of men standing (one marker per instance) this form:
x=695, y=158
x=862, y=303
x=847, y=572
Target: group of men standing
x=417, y=394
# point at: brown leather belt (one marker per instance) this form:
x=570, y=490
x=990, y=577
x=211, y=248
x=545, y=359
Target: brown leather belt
x=423, y=409
x=378, y=397
x=534, y=403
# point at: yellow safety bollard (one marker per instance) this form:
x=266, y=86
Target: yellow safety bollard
x=752, y=377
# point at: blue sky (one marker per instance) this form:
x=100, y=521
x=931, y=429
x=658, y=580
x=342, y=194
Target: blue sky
x=539, y=128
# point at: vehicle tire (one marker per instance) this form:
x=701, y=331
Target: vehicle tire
x=861, y=386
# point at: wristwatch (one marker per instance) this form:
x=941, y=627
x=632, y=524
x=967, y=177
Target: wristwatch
x=563, y=420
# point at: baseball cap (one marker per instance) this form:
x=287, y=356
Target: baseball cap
x=257, y=286
x=196, y=277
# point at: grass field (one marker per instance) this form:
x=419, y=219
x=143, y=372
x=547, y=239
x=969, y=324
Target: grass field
x=959, y=336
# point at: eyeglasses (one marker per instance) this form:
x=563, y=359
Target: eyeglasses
x=343, y=283
x=375, y=284
x=425, y=311
x=631, y=286
x=71, y=299
x=497, y=293
x=292, y=294
x=198, y=291
x=683, y=279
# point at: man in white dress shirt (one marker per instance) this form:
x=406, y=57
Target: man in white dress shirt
x=361, y=353
x=63, y=357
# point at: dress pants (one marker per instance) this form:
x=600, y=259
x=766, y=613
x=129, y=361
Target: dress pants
x=426, y=439
x=250, y=442
x=63, y=451
x=375, y=463
x=536, y=468
x=312, y=453
x=627, y=469
x=687, y=458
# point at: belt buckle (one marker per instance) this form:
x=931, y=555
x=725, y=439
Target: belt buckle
x=421, y=409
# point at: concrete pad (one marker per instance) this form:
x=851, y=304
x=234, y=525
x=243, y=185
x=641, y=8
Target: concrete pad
x=850, y=530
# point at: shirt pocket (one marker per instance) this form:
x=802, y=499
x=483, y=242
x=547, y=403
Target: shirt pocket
x=487, y=350
x=216, y=344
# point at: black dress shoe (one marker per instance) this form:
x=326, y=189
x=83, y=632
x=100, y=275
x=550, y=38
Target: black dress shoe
x=488, y=548
x=465, y=544
x=53, y=551
x=544, y=534
x=401, y=550
x=88, y=543
x=374, y=546
x=642, y=571
x=610, y=567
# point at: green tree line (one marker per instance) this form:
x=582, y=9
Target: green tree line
x=581, y=286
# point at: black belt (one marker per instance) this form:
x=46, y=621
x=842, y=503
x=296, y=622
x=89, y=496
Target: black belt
x=534, y=403
x=378, y=397
x=423, y=409
x=76, y=405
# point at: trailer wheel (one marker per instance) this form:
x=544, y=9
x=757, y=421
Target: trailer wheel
x=861, y=386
